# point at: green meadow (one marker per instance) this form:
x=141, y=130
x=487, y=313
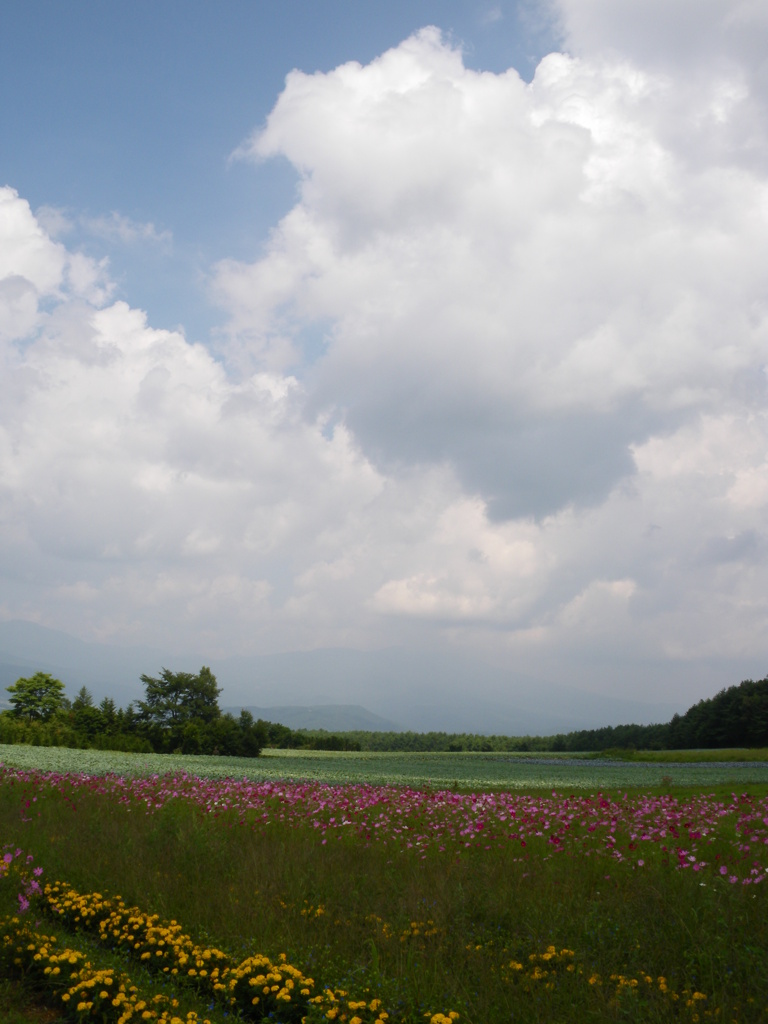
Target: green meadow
x=411, y=888
x=466, y=770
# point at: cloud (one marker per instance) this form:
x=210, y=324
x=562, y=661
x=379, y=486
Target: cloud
x=54, y=222
x=686, y=35
x=35, y=269
x=27, y=251
x=497, y=380
x=521, y=281
x=711, y=54
x=555, y=292
x=118, y=228
x=136, y=474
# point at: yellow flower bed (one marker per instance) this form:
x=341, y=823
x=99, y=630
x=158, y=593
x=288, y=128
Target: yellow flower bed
x=84, y=990
x=255, y=987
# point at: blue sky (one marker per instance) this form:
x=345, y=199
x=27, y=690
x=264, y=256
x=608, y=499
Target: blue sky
x=437, y=326
x=137, y=108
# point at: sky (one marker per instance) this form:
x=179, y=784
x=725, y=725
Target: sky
x=437, y=326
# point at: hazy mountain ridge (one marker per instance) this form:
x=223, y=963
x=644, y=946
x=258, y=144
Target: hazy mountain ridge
x=419, y=689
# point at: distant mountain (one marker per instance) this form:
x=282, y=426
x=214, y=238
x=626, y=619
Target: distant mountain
x=429, y=690
x=420, y=689
x=333, y=717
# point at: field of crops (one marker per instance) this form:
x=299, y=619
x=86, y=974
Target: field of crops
x=180, y=890
x=444, y=770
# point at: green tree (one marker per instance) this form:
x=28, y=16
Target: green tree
x=83, y=698
x=253, y=735
x=176, y=698
x=37, y=698
x=86, y=718
x=109, y=713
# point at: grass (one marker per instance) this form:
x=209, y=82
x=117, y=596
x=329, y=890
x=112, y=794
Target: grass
x=21, y=1004
x=463, y=770
x=735, y=755
x=426, y=930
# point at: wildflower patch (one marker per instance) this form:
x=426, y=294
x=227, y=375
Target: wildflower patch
x=257, y=988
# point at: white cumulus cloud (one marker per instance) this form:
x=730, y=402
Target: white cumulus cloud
x=523, y=281
x=497, y=379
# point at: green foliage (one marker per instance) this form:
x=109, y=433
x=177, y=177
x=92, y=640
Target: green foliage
x=85, y=717
x=308, y=739
x=736, y=716
x=180, y=714
x=177, y=698
x=424, y=742
x=37, y=698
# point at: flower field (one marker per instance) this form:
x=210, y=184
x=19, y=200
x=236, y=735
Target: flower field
x=690, y=833
x=467, y=770
x=180, y=897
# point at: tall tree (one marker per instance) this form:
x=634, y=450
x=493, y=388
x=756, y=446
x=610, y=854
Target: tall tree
x=176, y=698
x=83, y=699
x=86, y=718
x=37, y=698
x=109, y=713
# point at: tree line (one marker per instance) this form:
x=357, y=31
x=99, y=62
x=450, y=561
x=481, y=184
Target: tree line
x=180, y=713
x=735, y=717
